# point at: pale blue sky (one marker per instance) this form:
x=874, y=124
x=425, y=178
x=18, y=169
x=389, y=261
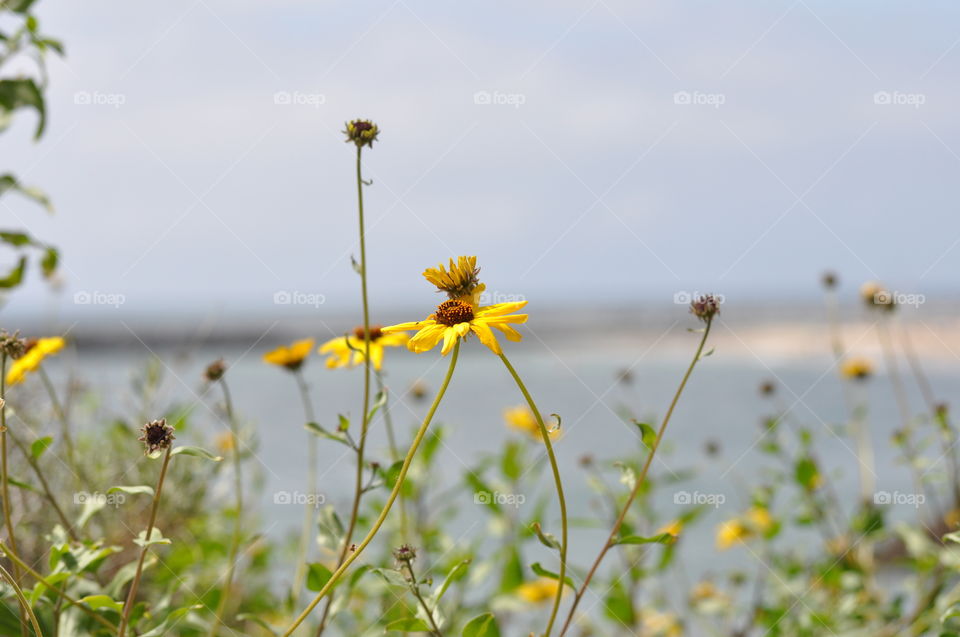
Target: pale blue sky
x=589, y=183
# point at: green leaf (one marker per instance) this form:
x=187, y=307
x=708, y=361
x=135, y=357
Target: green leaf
x=20, y=484
x=262, y=623
x=317, y=576
x=155, y=538
x=647, y=434
x=343, y=423
x=49, y=262
x=316, y=429
x=457, y=572
x=512, y=575
x=10, y=183
x=170, y=620
x=97, y=602
x=408, y=625
x=663, y=538
x=15, y=276
x=618, y=605
x=542, y=572
x=17, y=239
x=39, y=446
x=547, y=539
x=133, y=490
x=484, y=625
x=20, y=93
x=195, y=451
x=378, y=402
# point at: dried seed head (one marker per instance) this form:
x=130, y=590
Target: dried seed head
x=215, y=370
x=12, y=345
x=405, y=553
x=767, y=388
x=829, y=280
x=156, y=436
x=705, y=307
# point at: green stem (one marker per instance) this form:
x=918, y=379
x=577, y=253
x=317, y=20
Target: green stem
x=238, y=521
x=5, y=479
x=61, y=417
x=47, y=491
x=394, y=451
x=24, y=604
x=611, y=540
x=312, y=487
x=154, y=507
x=358, y=483
x=545, y=435
x=390, y=500
x=415, y=589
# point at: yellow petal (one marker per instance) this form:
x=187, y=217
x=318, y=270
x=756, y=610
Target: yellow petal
x=500, y=309
x=427, y=338
x=485, y=334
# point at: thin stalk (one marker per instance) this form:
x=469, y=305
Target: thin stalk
x=24, y=604
x=361, y=447
x=415, y=589
x=5, y=479
x=62, y=595
x=545, y=435
x=47, y=492
x=238, y=521
x=611, y=540
x=392, y=441
x=61, y=417
x=312, y=486
x=135, y=584
x=418, y=438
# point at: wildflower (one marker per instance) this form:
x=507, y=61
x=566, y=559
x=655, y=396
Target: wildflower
x=362, y=132
x=224, y=442
x=35, y=350
x=829, y=280
x=418, y=390
x=291, y=356
x=454, y=320
x=460, y=281
x=730, y=533
x=345, y=351
x=537, y=591
x=767, y=388
x=404, y=554
x=215, y=370
x=657, y=624
x=156, y=436
x=755, y=522
x=705, y=307
x=856, y=368
x=875, y=295
x=673, y=528
x=522, y=419
x=12, y=345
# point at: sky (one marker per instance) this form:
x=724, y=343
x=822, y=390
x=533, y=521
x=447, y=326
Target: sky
x=589, y=153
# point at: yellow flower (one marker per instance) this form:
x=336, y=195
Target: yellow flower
x=856, y=368
x=345, y=351
x=290, y=356
x=224, y=442
x=760, y=519
x=362, y=132
x=674, y=528
x=459, y=280
x=35, y=353
x=659, y=624
x=454, y=320
x=730, y=533
x=538, y=590
x=522, y=419
x=756, y=521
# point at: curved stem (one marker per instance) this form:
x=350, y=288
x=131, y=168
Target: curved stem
x=237, y=525
x=5, y=479
x=545, y=435
x=392, y=441
x=312, y=486
x=390, y=500
x=611, y=540
x=24, y=604
x=361, y=447
x=135, y=584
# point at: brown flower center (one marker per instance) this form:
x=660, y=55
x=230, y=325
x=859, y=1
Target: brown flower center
x=451, y=313
x=376, y=331
x=361, y=126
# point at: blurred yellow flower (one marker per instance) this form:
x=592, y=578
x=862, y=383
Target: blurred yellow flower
x=657, y=624
x=290, y=356
x=522, y=419
x=459, y=280
x=856, y=368
x=537, y=591
x=674, y=528
x=455, y=319
x=345, y=351
x=755, y=522
x=224, y=442
x=36, y=351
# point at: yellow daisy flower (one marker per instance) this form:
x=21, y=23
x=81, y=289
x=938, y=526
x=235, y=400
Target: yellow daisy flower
x=673, y=528
x=856, y=368
x=456, y=319
x=459, y=280
x=36, y=351
x=661, y=624
x=345, y=351
x=731, y=532
x=538, y=591
x=522, y=419
x=290, y=356
x=756, y=521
